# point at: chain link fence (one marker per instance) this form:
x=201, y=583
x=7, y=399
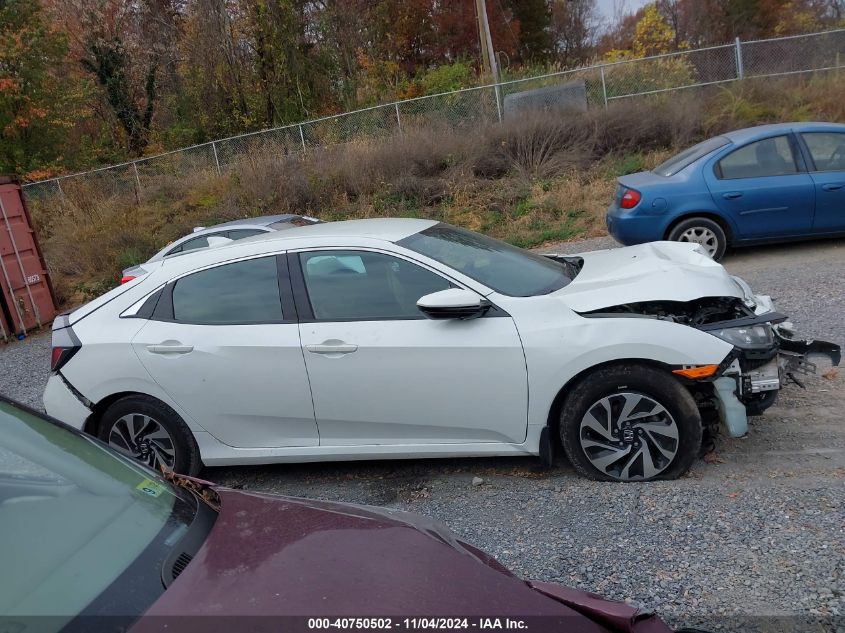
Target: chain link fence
x=584, y=88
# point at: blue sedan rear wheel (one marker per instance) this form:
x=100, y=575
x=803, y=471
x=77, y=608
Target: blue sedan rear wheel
x=702, y=231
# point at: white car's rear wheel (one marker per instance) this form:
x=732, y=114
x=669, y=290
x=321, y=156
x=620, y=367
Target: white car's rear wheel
x=152, y=433
x=630, y=423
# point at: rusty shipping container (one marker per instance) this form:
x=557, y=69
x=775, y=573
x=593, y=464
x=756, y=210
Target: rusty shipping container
x=27, y=300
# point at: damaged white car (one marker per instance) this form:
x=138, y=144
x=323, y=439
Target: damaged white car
x=394, y=338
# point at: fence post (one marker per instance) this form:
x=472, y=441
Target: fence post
x=603, y=86
x=59, y=185
x=302, y=138
x=498, y=96
x=137, y=183
x=137, y=178
x=216, y=160
x=398, y=120
x=740, y=70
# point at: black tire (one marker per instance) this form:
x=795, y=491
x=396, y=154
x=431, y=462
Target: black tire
x=645, y=385
x=138, y=408
x=707, y=231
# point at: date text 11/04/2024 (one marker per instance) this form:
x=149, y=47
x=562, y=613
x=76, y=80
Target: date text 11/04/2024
x=420, y=623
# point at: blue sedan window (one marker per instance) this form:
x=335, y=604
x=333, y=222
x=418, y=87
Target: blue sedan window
x=769, y=157
x=689, y=156
x=827, y=150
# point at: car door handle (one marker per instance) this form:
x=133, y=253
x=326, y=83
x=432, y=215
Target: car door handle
x=732, y=195
x=170, y=347
x=332, y=347
x=833, y=186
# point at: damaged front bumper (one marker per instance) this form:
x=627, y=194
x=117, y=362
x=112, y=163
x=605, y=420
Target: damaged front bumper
x=751, y=378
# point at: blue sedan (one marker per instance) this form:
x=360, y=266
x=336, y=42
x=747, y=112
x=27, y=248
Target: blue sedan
x=767, y=183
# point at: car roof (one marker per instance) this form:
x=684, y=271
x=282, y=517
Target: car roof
x=384, y=229
x=762, y=131
x=387, y=229
x=263, y=220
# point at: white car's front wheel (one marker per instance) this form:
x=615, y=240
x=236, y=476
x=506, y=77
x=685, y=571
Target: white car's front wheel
x=630, y=422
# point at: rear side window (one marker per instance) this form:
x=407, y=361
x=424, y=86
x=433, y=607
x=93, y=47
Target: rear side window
x=689, y=156
x=238, y=293
x=827, y=150
x=192, y=245
x=360, y=285
x=239, y=234
x=769, y=157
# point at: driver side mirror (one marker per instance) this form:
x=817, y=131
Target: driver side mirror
x=453, y=303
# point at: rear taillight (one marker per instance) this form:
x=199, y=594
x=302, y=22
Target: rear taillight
x=126, y=279
x=65, y=343
x=630, y=199
x=60, y=356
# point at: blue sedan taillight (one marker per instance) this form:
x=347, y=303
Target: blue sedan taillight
x=630, y=198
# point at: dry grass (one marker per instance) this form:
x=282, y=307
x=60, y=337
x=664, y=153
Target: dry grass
x=529, y=181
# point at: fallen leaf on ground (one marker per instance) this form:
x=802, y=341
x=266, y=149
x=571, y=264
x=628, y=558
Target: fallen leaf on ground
x=713, y=458
x=830, y=374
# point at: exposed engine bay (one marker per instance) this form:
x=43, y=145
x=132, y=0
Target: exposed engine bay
x=699, y=312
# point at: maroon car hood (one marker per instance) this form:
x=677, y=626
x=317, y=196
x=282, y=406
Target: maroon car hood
x=282, y=556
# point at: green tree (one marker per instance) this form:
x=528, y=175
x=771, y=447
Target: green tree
x=283, y=68
x=535, y=38
x=108, y=62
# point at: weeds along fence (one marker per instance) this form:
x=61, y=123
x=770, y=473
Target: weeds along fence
x=589, y=87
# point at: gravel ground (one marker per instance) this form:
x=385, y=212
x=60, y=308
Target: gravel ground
x=754, y=539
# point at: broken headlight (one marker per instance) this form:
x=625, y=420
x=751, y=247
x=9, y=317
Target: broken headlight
x=752, y=336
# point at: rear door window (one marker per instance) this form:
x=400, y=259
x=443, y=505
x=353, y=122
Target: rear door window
x=827, y=150
x=769, y=157
x=238, y=293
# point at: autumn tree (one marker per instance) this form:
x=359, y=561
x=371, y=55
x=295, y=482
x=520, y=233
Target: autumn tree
x=573, y=30
x=130, y=50
x=37, y=101
x=214, y=72
x=653, y=35
x=707, y=22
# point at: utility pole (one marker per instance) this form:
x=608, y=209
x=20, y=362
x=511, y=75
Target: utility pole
x=488, y=55
x=482, y=37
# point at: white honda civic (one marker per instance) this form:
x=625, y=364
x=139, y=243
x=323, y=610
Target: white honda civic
x=392, y=338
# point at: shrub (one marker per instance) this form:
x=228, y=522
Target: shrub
x=539, y=178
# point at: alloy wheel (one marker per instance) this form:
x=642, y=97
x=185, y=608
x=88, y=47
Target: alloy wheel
x=629, y=436
x=703, y=236
x=144, y=439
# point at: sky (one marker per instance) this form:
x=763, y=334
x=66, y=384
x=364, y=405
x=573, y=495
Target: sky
x=608, y=9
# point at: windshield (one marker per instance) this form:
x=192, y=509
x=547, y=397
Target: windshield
x=502, y=267
x=74, y=517
x=689, y=156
